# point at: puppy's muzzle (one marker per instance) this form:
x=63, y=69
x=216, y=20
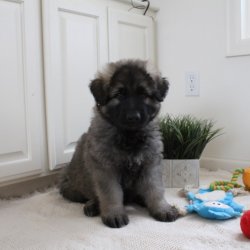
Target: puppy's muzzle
x=133, y=117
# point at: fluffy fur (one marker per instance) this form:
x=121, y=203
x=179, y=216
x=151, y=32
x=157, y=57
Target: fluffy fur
x=119, y=159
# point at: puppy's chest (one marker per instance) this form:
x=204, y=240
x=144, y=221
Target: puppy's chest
x=130, y=171
x=130, y=143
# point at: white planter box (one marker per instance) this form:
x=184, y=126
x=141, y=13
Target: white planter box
x=180, y=173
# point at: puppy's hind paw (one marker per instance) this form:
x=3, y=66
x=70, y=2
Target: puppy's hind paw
x=91, y=208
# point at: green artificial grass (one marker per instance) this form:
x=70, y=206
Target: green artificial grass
x=185, y=137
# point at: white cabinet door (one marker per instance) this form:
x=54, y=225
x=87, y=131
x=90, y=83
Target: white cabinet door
x=21, y=113
x=130, y=36
x=75, y=43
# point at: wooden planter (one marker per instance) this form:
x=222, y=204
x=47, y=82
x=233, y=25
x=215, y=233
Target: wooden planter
x=180, y=173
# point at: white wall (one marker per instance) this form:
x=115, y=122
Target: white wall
x=192, y=36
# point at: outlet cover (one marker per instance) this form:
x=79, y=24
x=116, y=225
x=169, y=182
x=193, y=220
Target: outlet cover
x=192, y=81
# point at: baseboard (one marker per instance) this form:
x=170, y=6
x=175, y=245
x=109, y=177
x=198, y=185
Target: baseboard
x=215, y=164
x=29, y=185
x=41, y=182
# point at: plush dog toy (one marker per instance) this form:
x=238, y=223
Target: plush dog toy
x=216, y=204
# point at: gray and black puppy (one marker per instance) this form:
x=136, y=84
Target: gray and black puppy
x=119, y=159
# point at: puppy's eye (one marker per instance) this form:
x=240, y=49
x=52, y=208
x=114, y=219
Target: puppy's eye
x=120, y=93
x=144, y=94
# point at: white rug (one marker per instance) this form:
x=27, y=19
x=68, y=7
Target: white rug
x=46, y=221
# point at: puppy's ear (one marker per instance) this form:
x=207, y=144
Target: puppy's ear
x=99, y=90
x=162, y=89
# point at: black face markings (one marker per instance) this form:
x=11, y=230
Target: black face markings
x=131, y=102
x=128, y=81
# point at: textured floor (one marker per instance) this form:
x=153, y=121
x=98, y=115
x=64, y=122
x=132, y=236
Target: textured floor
x=46, y=221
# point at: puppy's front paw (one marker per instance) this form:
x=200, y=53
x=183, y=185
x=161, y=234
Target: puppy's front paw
x=116, y=220
x=169, y=214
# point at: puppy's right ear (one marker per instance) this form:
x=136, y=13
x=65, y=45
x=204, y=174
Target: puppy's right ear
x=162, y=89
x=99, y=90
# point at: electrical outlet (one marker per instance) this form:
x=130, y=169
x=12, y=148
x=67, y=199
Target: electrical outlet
x=192, y=84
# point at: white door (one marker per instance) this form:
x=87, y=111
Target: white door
x=21, y=109
x=75, y=43
x=130, y=36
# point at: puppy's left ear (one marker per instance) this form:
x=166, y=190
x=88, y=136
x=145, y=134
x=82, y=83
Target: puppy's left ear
x=162, y=89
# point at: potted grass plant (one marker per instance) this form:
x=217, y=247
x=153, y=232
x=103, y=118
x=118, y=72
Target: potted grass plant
x=184, y=138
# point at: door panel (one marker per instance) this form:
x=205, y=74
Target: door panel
x=75, y=48
x=130, y=36
x=21, y=125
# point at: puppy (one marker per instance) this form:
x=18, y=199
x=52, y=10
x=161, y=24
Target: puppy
x=119, y=159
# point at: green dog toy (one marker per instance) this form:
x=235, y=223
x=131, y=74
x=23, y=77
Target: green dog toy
x=228, y=185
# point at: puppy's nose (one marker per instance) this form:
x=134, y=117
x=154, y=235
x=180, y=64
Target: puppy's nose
x=133, y=117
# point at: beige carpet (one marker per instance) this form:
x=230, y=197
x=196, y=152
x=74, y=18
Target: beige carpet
x=46, y=221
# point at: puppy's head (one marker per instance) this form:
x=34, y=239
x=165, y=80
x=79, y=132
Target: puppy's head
x=128, y=93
